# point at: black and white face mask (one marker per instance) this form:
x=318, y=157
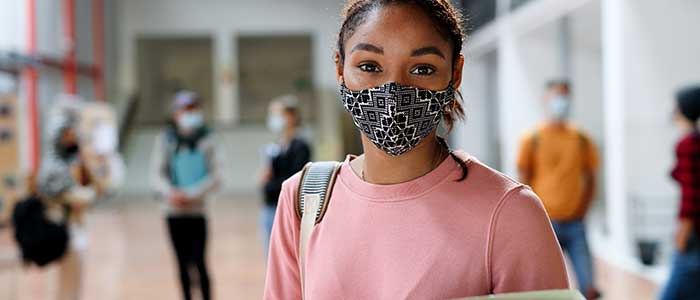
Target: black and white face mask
x=396, y=118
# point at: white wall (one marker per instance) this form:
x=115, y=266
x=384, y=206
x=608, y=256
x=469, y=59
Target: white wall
x=662, y=55
x=471, y=135
x=12, y=29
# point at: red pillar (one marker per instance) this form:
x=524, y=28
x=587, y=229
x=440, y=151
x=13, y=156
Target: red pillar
x=70, y=72
x=32, y=77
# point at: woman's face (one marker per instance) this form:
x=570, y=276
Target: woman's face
x=398, y=43
x=681, y=121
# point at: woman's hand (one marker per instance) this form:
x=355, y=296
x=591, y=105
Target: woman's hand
x=77, y=207
x=265, y=176
x=178, y=198
x=685, y=229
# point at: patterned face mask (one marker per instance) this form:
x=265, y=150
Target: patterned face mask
x=396, y=118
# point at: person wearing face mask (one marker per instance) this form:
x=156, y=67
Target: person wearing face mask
x=685, y=267
x=185, y=172
x=410, y=218
x=66, y=198
x=560, y=162
x=283, y=158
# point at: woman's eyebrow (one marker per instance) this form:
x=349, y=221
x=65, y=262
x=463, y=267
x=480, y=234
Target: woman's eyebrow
x=426, y=51
x=367, y=47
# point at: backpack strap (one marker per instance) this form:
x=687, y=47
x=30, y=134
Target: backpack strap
x=169, y=149
x=533, y=153
x=314, y=193
x=583, y=144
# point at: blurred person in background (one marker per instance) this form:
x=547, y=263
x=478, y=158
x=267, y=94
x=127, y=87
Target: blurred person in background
x=684, y=281
x=67, y=188
x=185, y=172
x=283, y=158
x=560, y=162
x=409, y=218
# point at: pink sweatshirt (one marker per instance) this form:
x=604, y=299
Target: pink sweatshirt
x=429, y=238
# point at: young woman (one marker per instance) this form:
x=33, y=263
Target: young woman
x=410, y=219
x=284, y=158
x=76, y=191
x=185, y=172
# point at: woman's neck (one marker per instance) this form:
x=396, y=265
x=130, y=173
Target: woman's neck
x=377, y=167
x=288, y=135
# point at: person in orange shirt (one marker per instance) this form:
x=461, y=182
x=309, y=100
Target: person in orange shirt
x=559, y=161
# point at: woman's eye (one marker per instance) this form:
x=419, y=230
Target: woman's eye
x=370, y=68
x=423, y=70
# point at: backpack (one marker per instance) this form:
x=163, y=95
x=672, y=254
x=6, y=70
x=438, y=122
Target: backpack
x=187, y=166
x=314, y=194
x=40, y=240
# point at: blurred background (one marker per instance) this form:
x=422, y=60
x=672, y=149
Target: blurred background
x=623, y=58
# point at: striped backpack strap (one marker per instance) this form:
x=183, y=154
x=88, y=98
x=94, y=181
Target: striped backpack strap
x=314, y=193
x=317, y=178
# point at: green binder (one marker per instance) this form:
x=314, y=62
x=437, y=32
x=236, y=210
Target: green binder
x=536, y=295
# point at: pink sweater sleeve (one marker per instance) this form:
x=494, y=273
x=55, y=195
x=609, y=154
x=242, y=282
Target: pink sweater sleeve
x=282, y=280
x=523, y=252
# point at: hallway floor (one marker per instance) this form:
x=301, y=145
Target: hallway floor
x=129, y=257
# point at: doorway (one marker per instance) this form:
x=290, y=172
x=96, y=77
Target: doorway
x=166, y=65
x=272, y=66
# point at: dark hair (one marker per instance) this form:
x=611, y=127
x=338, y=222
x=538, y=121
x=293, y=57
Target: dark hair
x=688, y=102
x=448, y=21
x=558, y=82
x=294, y=111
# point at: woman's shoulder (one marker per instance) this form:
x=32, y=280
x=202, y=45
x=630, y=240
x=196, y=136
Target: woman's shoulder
x=512, y=206
x=497, y=191
x=291, y=186
x=485, y=178
x=292, y=183
x=299, y=143
x=688, y=142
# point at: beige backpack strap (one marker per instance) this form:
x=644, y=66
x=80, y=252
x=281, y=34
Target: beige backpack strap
x=315, y=189
x=308, y=221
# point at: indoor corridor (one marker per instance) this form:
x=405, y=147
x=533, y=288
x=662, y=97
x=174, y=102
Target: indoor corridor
x=190, y=99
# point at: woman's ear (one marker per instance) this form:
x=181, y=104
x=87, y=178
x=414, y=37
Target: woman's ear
x=457, y=71
x=338, y=68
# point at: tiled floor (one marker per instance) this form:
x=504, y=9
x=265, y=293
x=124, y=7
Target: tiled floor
x=129, y=257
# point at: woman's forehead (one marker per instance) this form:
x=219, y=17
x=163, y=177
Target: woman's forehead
x=397, y=26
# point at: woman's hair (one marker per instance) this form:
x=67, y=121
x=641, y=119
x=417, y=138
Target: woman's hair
x=290, y=105
x=448, y=21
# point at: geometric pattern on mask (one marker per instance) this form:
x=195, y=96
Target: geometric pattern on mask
x=396, y=118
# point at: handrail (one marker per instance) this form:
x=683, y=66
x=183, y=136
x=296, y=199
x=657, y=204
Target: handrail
x=126, y=120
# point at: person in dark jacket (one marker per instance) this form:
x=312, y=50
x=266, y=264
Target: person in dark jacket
x=283, y=158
